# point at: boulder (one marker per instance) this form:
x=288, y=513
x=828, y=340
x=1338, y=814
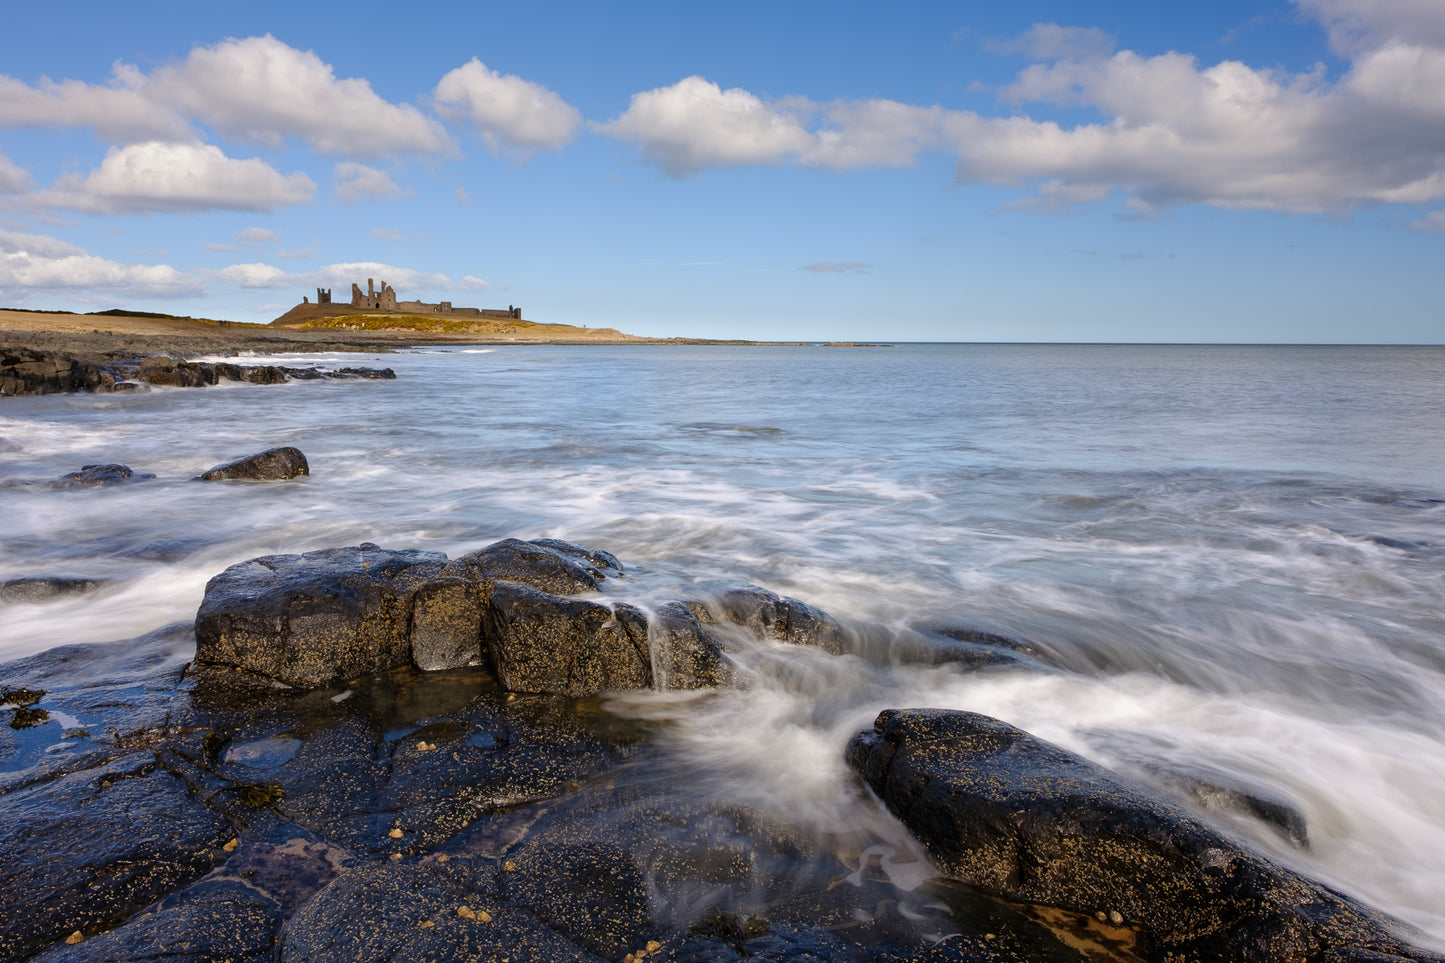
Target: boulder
x=513, y=606
x=45, y=588
x=274, y=464
x=94, y=475
x=545, y=643
x=1023, y=819
x=176, y=374
x=310, y=619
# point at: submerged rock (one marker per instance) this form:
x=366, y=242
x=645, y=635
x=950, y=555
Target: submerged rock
x=45, y=588
x=274, y=464
x=1020, y=818
x=91, y=476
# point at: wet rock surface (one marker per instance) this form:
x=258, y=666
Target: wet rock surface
x=274, y=464
x=45, y=588
x=31, y=371
x=1025, y=820
x=533, y=612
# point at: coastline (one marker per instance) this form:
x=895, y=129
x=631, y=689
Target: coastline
x=107, y=337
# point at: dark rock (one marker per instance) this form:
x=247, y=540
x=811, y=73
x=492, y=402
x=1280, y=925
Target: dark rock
x=229, y=923
x=87, y=849
x=274, y=464
x=309, y=619
x=266, y=374
x=545, y=643
x=94, y=475
x=776, y=617
x=374, y=374
x=1023, y=819
x=686, y=653
x=413, y=911
x=176, y=374
x=45, y=588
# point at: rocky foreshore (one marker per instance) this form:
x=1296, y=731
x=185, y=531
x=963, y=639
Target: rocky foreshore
x=32, y=371
x=393, y=754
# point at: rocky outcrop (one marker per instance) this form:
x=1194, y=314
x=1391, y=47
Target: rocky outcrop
x=27, y=371
x=275, y=464
x=517, y=607
x=1025, y=820
x=306, y=620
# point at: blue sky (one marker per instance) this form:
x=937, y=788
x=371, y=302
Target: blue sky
x=1039, y=171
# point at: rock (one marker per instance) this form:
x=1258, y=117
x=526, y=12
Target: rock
x=373, y=374
x=45, y=588
x=546, y=643
x=1023, y=819
x=95, y=475
x=176, y=374
x=404, y=911
x=266, y=374
x=776, y=617
x=309, y=619
x=91, y=847
x=274, y=464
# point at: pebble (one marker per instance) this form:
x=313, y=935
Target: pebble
x=231, y=846
x=484, y=916
x=508, y=866
x=395, y=857
x=74, y=938
x=396, y=833
x=425, y=925
x=653, y=946
x=444, y=858
x=424, y=746
x=466, y=913
x=1116, y=917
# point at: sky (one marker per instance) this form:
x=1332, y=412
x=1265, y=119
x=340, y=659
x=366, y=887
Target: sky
x=963, y=171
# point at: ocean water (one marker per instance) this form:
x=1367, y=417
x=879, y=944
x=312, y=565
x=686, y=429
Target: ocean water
x=1231, y=560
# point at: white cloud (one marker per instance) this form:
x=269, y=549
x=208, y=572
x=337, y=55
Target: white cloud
x=407, y=282
x=118, y=112
x=257, y=235
x=30, y=262
x=695, y=124
x=472, y=283
x=386, y=235
x=13, y=179
x=229, y=248
x=1360, y=25
x=873, y=133
x=156, y=176
x=255, y=275
x=507, y=110
x=357, y=182
x=257, y=89
x=262, y=90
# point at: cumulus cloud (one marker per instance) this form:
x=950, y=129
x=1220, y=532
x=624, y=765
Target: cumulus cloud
x=1358, y=25
x=838, y=267
x=13, y=179
x=262, y=90
x=156, y=177
x=507, y=110
x=408, y=283
x=357, y=182
x=695, y=124
x=118, y=112
x=34, y=262
x=256, y=89
x=1169, y=130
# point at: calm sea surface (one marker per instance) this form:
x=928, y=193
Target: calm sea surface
x=1233, y=557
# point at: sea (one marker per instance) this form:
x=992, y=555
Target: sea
x=1229, y=561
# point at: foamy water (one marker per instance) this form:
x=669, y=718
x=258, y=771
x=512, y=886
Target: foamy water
x=1231, y=559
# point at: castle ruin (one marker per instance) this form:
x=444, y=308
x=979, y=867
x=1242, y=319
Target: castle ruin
x=385, y=300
